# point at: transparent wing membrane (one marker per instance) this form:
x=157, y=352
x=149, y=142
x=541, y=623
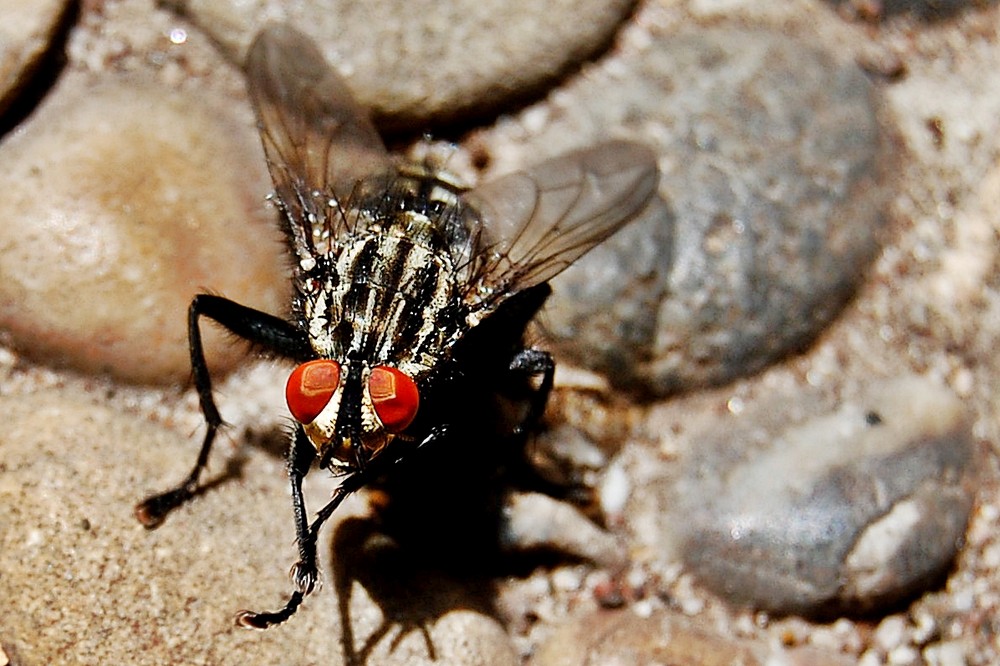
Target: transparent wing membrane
x=319, y=142
x=537, y=222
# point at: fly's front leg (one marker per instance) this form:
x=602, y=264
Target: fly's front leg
x=300, y=459
x=301, y=455
x=305, y=572
x=267, y=331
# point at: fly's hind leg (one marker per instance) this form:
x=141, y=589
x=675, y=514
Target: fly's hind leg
x=541, y=509
x=260, y=329
x=527, y=365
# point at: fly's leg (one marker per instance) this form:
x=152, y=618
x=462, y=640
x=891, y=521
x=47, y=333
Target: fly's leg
x=267, y=331
x=305, y=572
x=531, y=363
x=300, y=459
x=536, y=369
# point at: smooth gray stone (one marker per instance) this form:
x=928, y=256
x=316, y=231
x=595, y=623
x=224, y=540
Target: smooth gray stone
x=797, y=506
x=775, y=175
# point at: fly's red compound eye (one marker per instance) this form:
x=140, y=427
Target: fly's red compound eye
x=310, y=387
x=394, y=396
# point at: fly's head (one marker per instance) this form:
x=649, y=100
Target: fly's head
x=351, y=411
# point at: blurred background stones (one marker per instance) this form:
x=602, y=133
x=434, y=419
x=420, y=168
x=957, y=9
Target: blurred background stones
x=416, y=64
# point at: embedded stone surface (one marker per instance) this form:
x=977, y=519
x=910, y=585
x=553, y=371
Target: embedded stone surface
x=83, y=578
x=796, y=509
x=121, y=201
x=775, y=178
x=419, y=63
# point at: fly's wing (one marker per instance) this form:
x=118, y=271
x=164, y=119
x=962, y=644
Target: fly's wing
x=318, y=140
x=535, y=223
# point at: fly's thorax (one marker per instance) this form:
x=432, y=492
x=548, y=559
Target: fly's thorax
x=391, y=295
x=313, y=306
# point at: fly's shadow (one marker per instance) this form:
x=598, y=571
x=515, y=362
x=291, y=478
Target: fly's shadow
x=410, y=591
x=433, y=544
x=271, y=439
x=437, y=541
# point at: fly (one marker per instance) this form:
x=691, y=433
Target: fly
x=411, y=294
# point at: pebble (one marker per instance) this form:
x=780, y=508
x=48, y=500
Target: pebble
x=775, y=177
x=533, y=521
x=419, y=63
x=931, y=10
x=623, y=638
x=797, y=506
x=564, y=457
x=948, y=653
x=82, y=578
x=129, y=199
x=26, y=29
x=890, y=632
